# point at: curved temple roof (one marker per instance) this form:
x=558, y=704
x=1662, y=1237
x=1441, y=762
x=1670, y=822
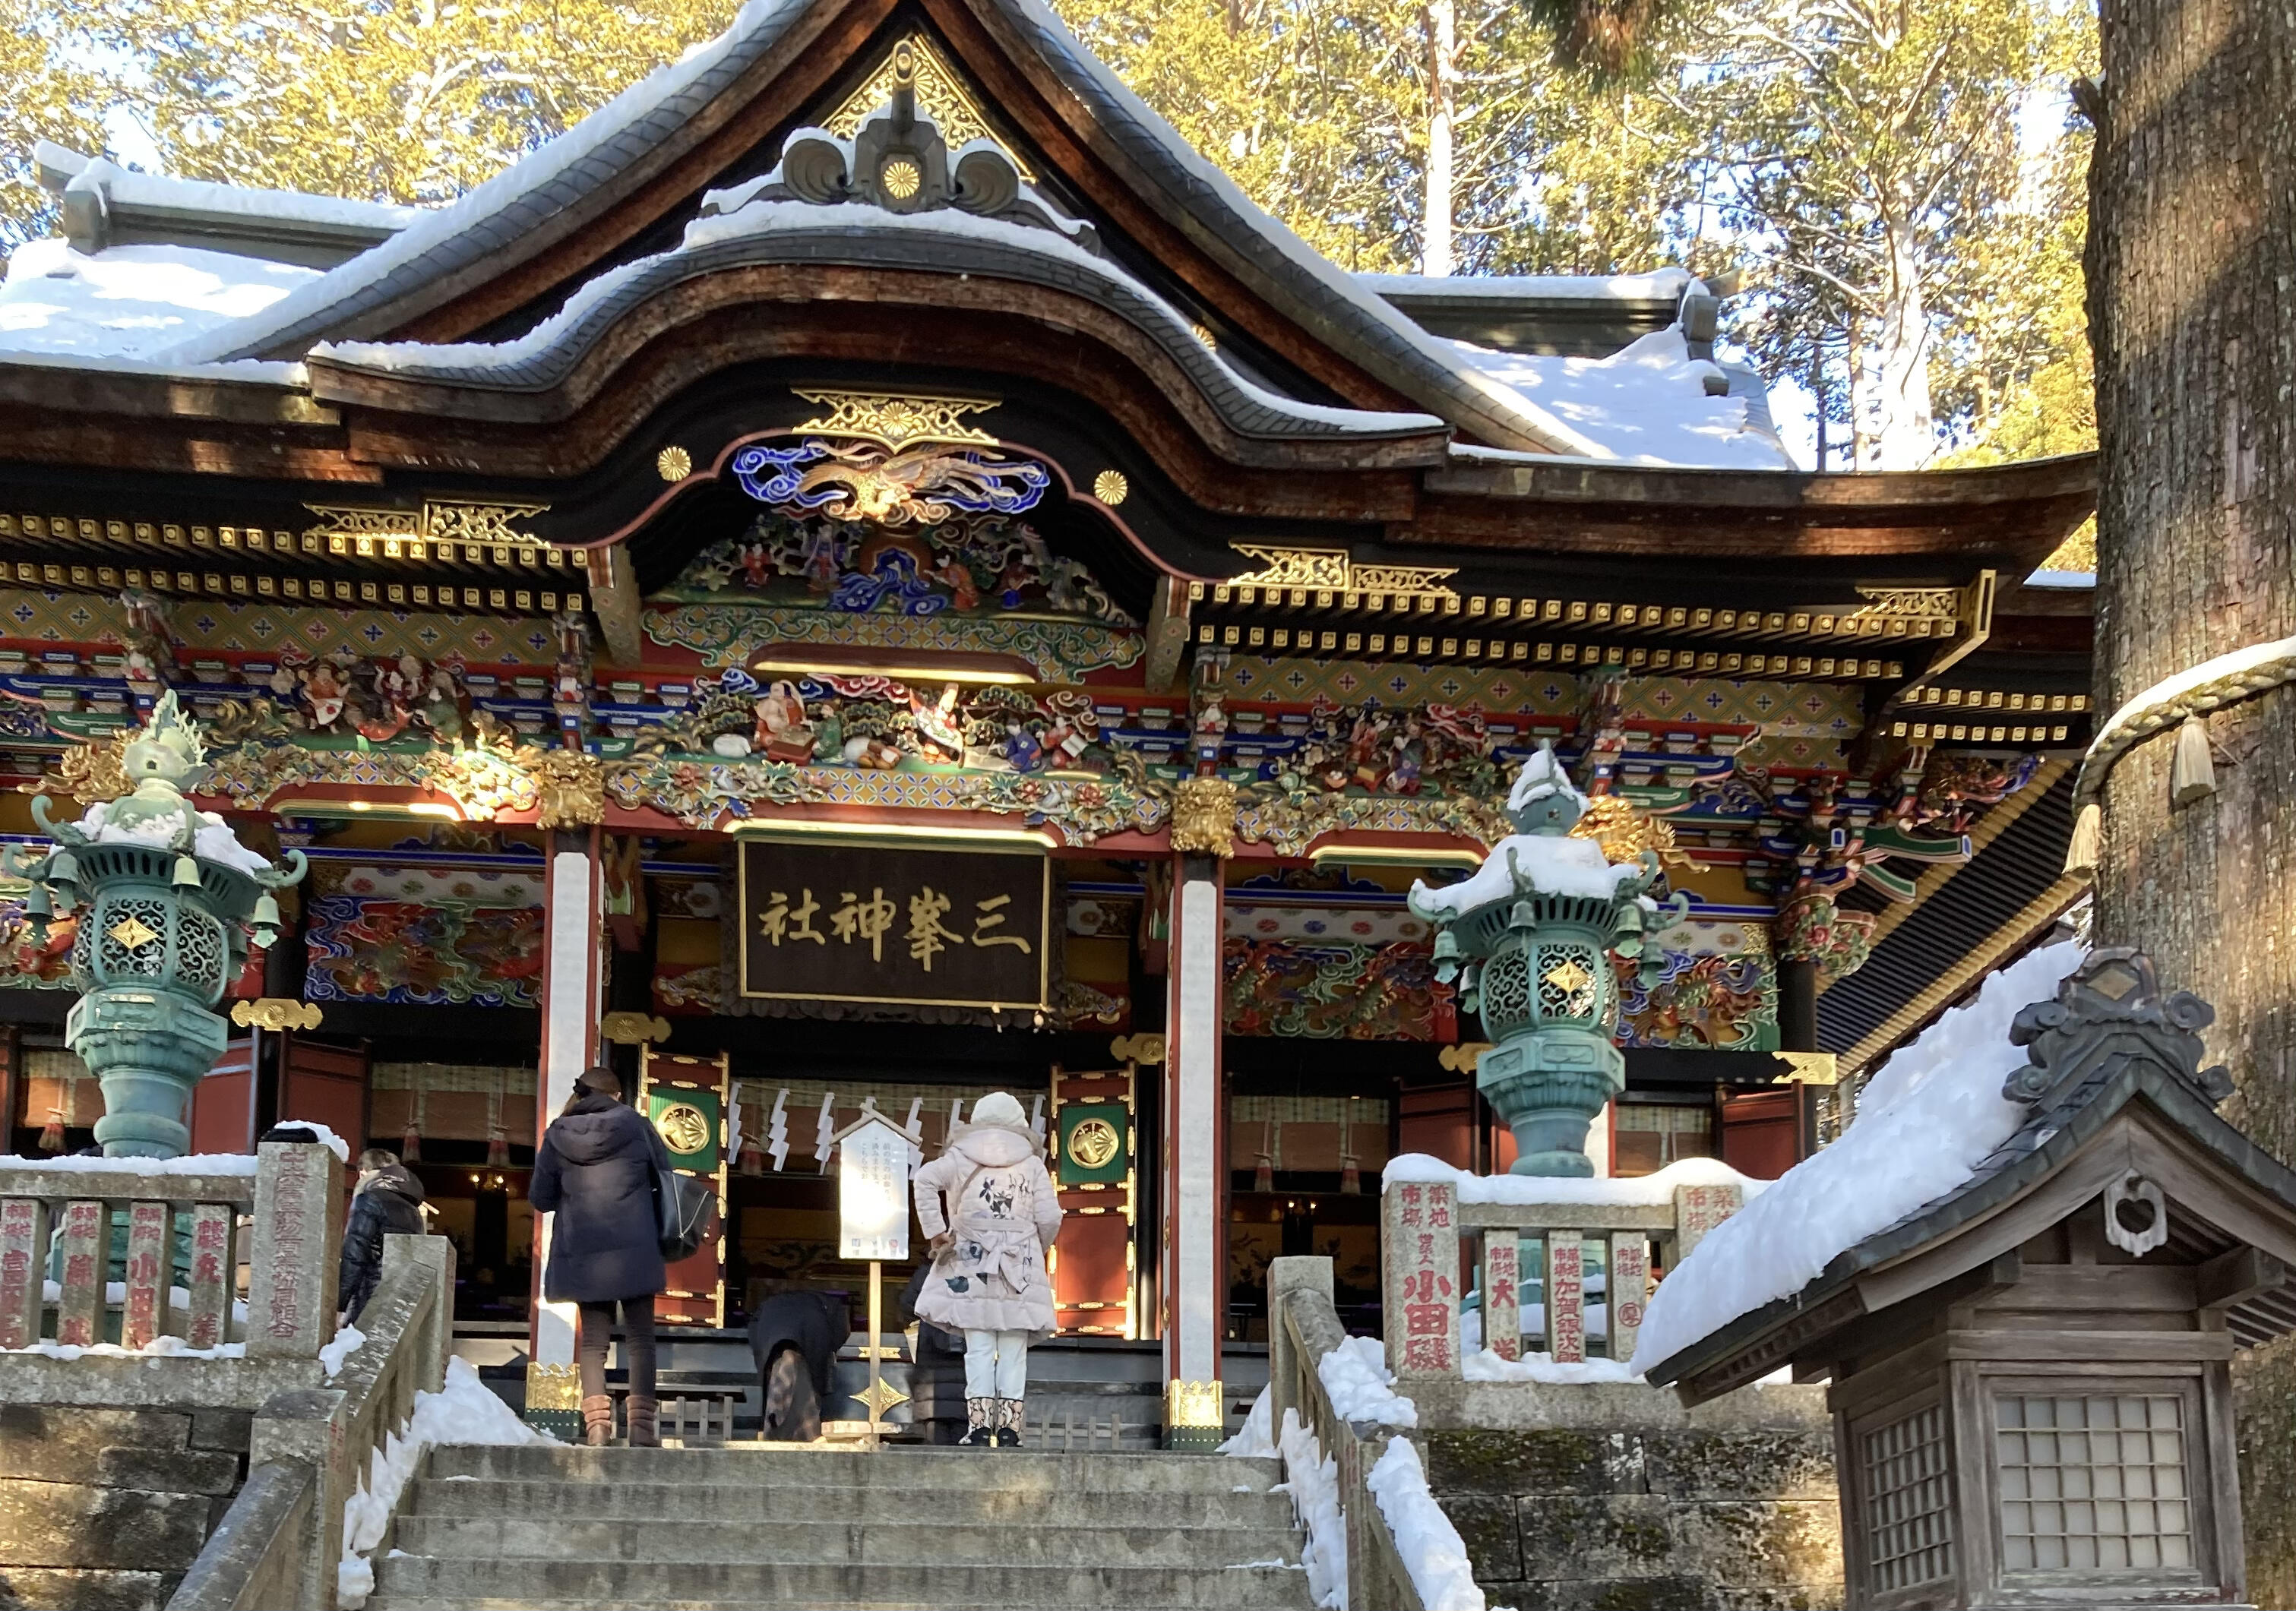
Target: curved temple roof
x=422, y=259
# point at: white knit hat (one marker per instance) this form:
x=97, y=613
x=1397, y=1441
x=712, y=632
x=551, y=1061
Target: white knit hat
x=999, y=1107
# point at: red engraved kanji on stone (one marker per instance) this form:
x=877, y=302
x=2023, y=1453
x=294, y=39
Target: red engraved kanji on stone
x=1438, y=1211
x=1413, y=1198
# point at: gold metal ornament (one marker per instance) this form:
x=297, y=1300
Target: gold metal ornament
x=1092, y=1143
x=673, y=463
x=133, y=932
x=1193, y=1404
x=880, y=1396
x=1137, y=1048
x=684, y=1127
x=1624, y=833
x=90, y=772
x=570, y=786
x=940, y=95
x=1110, y=488
x=553, y=1386
x=632, y=1028
x=1203, y=817
x=902, y=178
x=895, y=420
x=1567, y=975
x=274, y=1013
x=1331, y=570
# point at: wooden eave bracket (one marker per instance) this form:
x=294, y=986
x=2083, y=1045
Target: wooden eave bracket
x=614, y=596
x=1167, y=633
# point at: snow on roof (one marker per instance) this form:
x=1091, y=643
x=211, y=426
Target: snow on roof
x=1646, y=404
x=1925, y=1121
x=1657, y=285
x=555, y=177
x=552, y=177
x=201, y=199
x=131, y=301
x=859, y=233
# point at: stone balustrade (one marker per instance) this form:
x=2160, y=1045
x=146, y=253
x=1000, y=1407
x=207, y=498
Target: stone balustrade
x=1424, y=1218
x=130, y=1252
x=153, y=1313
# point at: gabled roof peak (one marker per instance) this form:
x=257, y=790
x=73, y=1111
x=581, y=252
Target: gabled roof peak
x=898, y=161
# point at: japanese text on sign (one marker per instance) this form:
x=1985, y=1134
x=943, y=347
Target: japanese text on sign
x=872, y=1193
x=865, y=923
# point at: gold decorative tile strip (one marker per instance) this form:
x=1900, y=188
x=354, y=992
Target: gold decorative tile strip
x=1910, y=603
x=1501, y=651
x=460, y=535
x=292, y=589
x=940, y=95
x=1328, y=573
x=1938, y=732
x=1996, y=699
x=896, y=420
x=1320, y=580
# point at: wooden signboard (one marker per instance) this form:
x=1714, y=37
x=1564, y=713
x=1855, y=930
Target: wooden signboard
x=685, y=1099
x=943, y=926
x=1094, y=1265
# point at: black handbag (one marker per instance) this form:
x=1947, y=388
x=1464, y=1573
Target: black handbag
x=686, y=1212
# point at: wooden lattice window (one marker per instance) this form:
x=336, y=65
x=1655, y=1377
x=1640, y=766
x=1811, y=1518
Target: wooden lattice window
x=1908, y=1492
x=2094, y=1482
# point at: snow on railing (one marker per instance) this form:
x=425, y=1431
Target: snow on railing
x=134, y=1256
x=144, y=1256
x=1596, y=1237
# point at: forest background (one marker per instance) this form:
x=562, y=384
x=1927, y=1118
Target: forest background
x=1893, y=190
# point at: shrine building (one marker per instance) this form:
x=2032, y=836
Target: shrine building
x=866, y=572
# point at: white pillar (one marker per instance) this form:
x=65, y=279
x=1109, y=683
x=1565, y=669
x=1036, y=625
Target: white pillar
x=1195, y=1146
x=571, y=954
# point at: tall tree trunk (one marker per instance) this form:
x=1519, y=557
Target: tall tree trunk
x=1436, y=256
x=1903, y=433
x=2192, y=201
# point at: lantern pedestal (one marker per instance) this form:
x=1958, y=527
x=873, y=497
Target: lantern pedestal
x=1547, y=1086
x=147, y=1051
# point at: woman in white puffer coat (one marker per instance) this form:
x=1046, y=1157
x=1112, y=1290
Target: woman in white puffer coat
x=989, y=1278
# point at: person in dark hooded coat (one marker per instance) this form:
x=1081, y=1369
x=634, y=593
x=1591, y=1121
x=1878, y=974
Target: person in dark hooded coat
x=390, y=1200
x=794, y=1336
x=595, y=1171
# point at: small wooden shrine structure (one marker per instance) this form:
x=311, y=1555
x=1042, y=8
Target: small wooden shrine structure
x=2031, y=1388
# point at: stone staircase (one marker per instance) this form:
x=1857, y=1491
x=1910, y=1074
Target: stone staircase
x=551, y=1529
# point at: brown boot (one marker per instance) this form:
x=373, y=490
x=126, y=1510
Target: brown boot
x=598, y=1420
x=642, y=1435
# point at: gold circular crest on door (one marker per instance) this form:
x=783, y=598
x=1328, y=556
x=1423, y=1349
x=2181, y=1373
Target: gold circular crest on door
x=684, y=1127
x=1092, y=1143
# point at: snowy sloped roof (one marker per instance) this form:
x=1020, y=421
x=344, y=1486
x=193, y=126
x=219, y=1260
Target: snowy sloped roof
x=107, y=204
x=1942, y=1142
x=785, y=231
x=542, y=198
x=1648, y=402
x=130, y=301
x=179, y=303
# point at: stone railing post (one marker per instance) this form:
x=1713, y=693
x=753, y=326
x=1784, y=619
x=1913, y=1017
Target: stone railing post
x=1626, y=1291
x=298, y=1236
x=1500, y=1283
x=1288, y=1277
x=306, y=1427
x=1698, y=1209
x=1420, y=1244
x=1566, y=1296
x=23, y=1255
